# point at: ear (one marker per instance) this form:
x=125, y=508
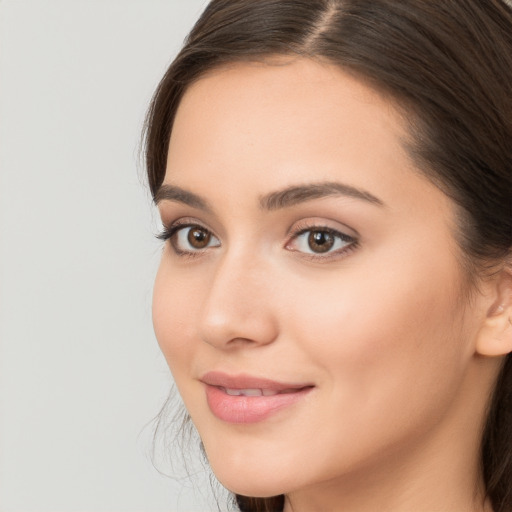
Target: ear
x=495, y=335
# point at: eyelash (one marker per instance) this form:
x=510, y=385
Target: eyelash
x=351, y=242
x=168, y=233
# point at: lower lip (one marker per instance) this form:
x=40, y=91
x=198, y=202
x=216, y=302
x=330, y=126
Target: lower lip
x=249, y=409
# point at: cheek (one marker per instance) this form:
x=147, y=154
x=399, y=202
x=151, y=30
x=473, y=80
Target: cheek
x=173, y=312
x=389, y=355
x=383, y=336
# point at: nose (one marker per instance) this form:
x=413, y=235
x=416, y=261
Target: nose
x=237, y=310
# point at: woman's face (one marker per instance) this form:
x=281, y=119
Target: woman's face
x=310, y=300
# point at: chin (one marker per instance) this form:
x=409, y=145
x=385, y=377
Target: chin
x=249, y=478
x=253, y=489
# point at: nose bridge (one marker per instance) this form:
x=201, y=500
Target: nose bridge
x=238, y=304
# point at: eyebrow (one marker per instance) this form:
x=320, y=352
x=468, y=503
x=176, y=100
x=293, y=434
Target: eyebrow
x=301, y=193
x=285, y=198
x=179, y=195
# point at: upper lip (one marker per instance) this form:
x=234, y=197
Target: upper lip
x=244, y=381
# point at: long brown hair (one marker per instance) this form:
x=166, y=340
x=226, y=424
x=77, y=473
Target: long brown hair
x=448, y=65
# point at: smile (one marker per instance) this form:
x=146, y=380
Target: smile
x=255, y=392
x=245, y=399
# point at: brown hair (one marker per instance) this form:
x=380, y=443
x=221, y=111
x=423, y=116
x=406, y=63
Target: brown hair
x=447, y=64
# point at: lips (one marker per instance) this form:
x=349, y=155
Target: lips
x=254, y=392
x=247, y=399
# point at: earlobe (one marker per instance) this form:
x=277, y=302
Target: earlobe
x=495, y=335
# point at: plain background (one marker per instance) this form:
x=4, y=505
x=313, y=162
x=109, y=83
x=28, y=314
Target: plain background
x=80, y=371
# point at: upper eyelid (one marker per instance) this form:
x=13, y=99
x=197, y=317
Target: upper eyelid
x=172, y=212
x=177, y=226
x=311, y=225
x=167, y=214
x=322, y=228
x=183, y=222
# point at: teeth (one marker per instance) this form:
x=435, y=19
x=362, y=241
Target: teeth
x=250, y=392
x=234, y=392
x=256, y=392
x=244, y=392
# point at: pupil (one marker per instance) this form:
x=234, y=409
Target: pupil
x=198, y=238
x=320, y=241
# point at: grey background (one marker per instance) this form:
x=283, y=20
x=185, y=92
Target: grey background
x=80, y=371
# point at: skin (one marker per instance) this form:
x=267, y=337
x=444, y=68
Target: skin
x=383, y=327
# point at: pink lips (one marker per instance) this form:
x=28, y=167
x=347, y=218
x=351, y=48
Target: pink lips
x=246, y=399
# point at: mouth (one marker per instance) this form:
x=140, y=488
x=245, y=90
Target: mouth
x=246, y=399
x=256, y=391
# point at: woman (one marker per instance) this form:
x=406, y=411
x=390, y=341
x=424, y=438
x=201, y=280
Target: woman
x=334, y=299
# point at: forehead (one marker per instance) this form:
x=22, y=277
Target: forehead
x=279, y=116
x=307, y=91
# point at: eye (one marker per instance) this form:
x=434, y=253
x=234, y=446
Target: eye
x=320, y=240
x=189, y=238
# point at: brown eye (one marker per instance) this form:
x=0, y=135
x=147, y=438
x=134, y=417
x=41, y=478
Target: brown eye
x=320, y=241
x=192, y=238
x=199, y=238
